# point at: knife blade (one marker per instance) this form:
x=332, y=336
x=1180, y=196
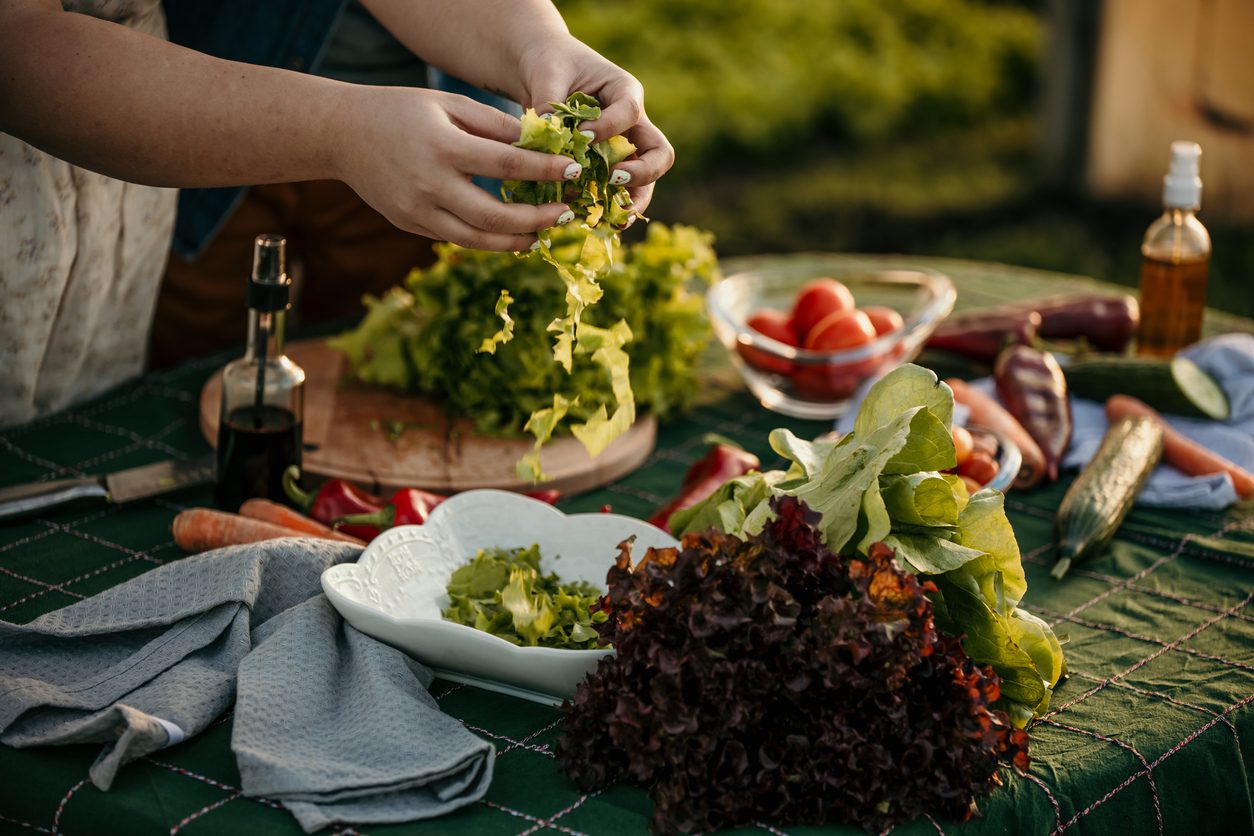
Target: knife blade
x=123, y=486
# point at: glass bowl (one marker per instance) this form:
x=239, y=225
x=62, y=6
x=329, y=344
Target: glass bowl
x=819, y=384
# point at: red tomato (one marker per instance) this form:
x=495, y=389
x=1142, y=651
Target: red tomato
x=963, y=443
x=885, y=320
x=826, y=383
x=840, y=330
x=980, y=467
x=817, y=299
x=972, y=485
x=773, y=324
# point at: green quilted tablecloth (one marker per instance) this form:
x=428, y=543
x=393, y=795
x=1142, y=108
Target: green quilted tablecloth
x=1148, y=736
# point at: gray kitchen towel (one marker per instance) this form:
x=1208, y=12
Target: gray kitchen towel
x=145, y=664
x=373, y=748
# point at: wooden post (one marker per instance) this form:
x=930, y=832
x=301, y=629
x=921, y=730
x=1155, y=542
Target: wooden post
x=1174, y=69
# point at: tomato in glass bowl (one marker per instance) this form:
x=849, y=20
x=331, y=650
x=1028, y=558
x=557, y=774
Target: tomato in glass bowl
x=816, y=373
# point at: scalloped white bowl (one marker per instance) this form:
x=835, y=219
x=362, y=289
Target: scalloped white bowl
x=396, y=591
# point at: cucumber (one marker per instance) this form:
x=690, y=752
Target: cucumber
x=1176, y=385
x=1101, y=496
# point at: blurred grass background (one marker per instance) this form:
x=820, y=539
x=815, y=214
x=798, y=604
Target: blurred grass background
x=885, y=126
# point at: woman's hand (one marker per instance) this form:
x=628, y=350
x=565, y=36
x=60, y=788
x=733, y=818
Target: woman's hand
x=555, y=67
x=410, y=154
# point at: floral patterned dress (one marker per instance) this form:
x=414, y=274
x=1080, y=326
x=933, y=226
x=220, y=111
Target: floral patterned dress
x=81, y=258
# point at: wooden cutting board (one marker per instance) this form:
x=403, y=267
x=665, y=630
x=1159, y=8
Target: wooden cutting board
x=432, y=452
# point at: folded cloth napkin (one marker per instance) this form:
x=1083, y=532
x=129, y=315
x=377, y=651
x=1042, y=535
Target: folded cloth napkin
x=336, y=726
x=1230, y=360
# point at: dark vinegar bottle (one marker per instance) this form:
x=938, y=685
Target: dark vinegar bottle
x=263, y=392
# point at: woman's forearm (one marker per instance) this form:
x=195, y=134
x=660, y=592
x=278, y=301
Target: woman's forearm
x=138, y=108
x=479, y=41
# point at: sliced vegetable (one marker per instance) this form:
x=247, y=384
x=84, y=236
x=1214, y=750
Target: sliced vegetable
x=1181, y=452
x=986, y=412
x=1101, y=496
x=265, y=510
x=201, y=529
x=1175, y=385
x=1031, y=385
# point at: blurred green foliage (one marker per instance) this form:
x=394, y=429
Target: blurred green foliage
x=904, y=126
x=761, y=76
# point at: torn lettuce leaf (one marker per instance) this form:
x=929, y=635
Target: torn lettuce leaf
x=502, y=592
x=506, y=333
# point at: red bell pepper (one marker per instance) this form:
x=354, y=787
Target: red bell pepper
x=723, y=461
x=336, y=498
x=408, y=506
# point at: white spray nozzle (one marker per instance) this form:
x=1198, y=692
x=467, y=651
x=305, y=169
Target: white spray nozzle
x=1182, y=187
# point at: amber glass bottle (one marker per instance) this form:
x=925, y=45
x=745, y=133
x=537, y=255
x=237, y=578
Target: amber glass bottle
x=1175, y=261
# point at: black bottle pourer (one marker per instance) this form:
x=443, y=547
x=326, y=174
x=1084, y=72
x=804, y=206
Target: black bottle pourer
x=269, y=288
x=269, y=291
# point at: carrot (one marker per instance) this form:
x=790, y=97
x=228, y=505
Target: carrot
x=201, y=529
x=1181, y=452
x=266, y=510
x=986, y=412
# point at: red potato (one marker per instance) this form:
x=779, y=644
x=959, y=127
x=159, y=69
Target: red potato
x=840, y=331
x=885, y=320
x=817, y=299
x=986, y=412
x=774, y=324
x=1180, y=452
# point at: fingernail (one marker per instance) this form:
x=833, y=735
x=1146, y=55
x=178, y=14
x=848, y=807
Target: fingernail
x=589, y=134
x=631, y=220
x=535, y=245
x=566, y=217
x=573, y=170
x=620, y=178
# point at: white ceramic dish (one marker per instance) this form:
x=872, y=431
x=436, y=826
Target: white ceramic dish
x=396, y=590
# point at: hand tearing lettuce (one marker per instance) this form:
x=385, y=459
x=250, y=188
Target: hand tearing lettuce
x=604, y=209
x=880, y=483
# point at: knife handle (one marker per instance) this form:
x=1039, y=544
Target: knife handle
x=23, y=500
